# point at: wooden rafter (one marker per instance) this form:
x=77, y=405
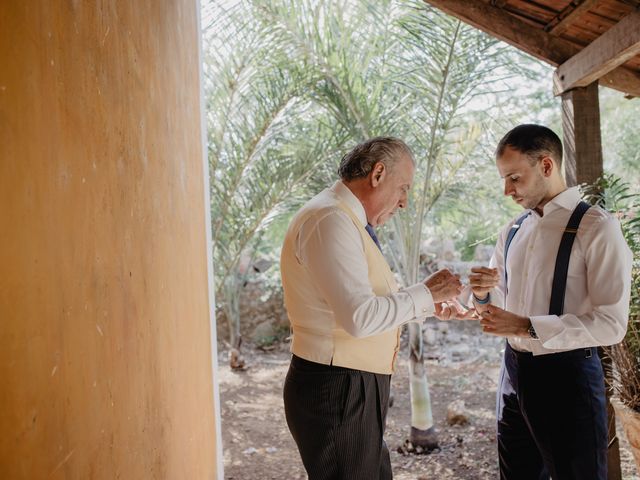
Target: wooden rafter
x=536, y=42
x=568, y=16
x=613, y=48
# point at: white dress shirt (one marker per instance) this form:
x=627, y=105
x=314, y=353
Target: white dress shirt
x=596, y=306
x=331, y=248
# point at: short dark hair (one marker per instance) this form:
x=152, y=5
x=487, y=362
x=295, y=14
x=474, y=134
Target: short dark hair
x=359, y=162
x=534, y=141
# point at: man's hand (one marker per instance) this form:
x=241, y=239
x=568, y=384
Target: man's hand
x=482, y=280
x=443, y=285
x=452, y=309
x=496, y=321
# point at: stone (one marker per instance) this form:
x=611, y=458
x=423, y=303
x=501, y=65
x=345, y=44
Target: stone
x=460, y=351
x=430, y=336
x=457, y=413
x=264, y=333
x=453, y=337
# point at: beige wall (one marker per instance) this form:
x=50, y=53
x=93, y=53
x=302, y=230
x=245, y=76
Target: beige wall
x=105, y=339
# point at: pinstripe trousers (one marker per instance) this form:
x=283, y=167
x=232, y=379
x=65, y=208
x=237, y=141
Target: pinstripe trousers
x=337, y=418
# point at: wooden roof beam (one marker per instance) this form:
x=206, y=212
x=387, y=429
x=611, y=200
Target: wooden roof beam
x=508, y=28
x=611, y=49
x=568, y=16
x=534, y=41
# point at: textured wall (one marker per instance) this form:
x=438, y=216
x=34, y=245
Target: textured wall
x=105, y=342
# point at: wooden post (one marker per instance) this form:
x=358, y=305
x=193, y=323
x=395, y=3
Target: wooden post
x=107, y=349
x=581, y=127
x=583, y=164
x=613, y=454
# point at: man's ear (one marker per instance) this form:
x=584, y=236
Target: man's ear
x=378, y=172
x=547, y=164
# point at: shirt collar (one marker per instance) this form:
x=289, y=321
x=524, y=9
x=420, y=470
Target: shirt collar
x=347, y=196
x=568, y=199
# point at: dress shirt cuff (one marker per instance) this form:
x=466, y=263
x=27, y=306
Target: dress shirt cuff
x=482, y=301
x=548, y=327
x=422, y=300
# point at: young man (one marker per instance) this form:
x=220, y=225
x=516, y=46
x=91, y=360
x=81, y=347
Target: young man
x=346, y=312
x=558, y=286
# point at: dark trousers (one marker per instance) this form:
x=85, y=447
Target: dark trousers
x=337, y=418
x=552, y=419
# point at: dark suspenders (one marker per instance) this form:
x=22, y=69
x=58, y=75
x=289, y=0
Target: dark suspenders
x=559, y=285
x=512, y=233
x=556, y=305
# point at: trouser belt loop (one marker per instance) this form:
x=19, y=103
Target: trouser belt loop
x=588, y=353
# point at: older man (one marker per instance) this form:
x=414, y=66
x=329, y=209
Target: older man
x=557, y=287
x=346, y=311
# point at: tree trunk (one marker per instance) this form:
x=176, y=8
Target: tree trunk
x=423, y=433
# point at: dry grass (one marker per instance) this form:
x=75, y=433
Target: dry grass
x=626, y=355
x=626, y=374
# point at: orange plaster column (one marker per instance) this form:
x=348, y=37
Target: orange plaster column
x=106, y=344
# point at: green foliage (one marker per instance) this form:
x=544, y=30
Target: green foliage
x=459, y=70
x=267, y=140
x=291, y=85
x=615, y=195
x=620, y=119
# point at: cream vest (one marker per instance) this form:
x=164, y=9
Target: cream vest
x=327, y=343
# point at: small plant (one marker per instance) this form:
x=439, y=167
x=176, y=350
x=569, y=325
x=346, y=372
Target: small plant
x=615, y=195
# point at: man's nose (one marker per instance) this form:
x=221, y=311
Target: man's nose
x=508, y=188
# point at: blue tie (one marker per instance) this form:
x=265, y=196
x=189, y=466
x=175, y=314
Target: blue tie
x=372, y=234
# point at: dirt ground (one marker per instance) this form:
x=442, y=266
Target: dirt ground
x=461, y=364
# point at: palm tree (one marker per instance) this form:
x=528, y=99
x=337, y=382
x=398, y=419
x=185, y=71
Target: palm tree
x=265, y=141
x=292, y=81
x=452, y=63
x=397, y=68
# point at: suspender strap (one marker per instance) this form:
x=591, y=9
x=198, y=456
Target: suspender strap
x=559, y=286
x=512, y=233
